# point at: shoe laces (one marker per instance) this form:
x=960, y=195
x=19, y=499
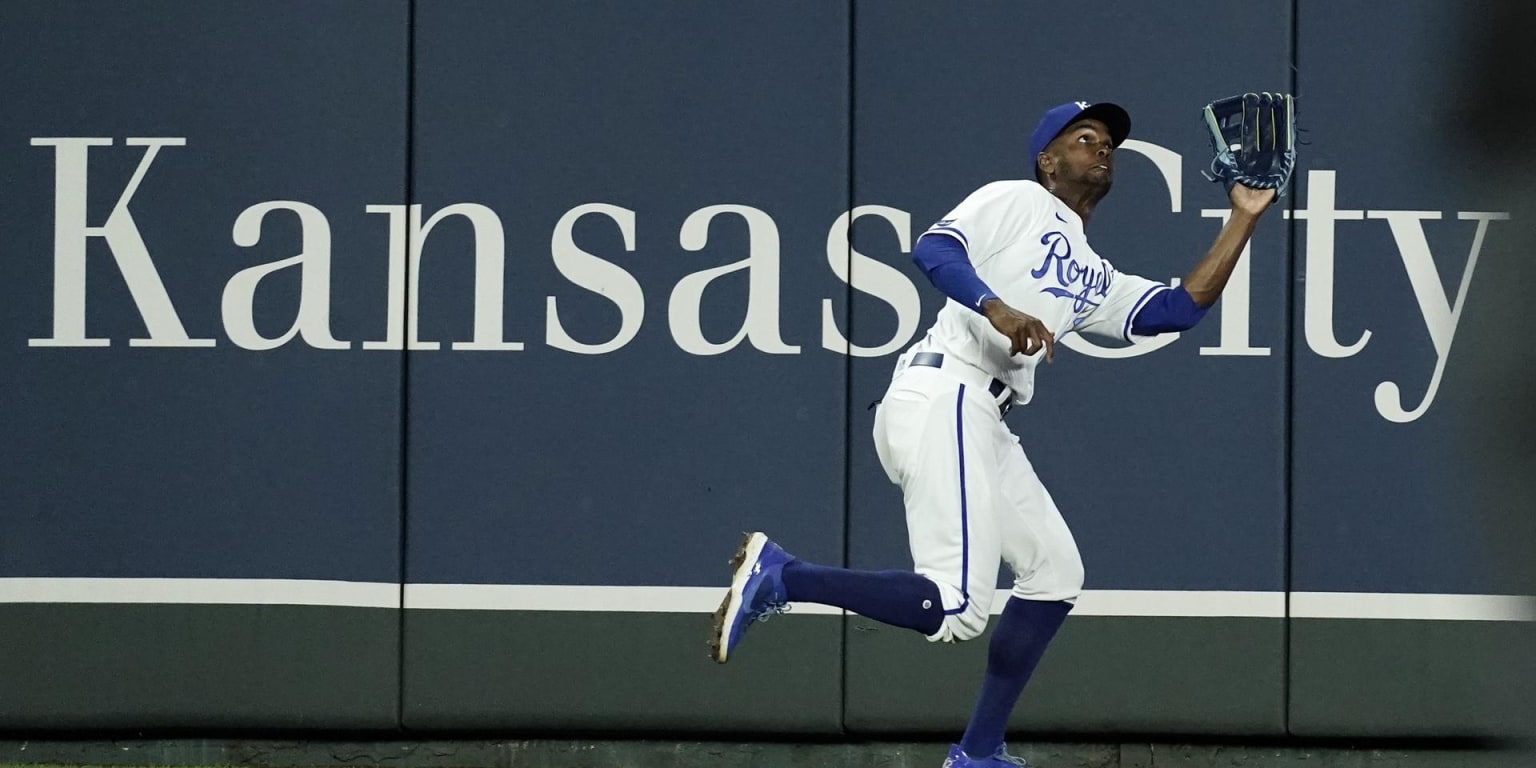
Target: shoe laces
x=1002, y=754
x=770, y=610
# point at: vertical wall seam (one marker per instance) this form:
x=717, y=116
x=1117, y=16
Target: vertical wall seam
x=405, y=358
x=1290, y=386
x=848, y=374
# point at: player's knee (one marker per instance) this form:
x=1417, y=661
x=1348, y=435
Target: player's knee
x=969, y=628
x=1071, y=577
x=967, y=624
x=1060, y=579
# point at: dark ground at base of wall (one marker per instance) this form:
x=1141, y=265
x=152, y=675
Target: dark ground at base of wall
x=621, y=753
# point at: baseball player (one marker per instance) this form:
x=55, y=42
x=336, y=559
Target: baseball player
x=1015, y=262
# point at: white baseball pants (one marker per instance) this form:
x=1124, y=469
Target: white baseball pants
x=972, y=498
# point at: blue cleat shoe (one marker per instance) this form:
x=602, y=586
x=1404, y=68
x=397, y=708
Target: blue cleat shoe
x=756, y=594
x=1000, y=759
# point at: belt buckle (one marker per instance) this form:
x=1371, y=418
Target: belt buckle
x=997, y=390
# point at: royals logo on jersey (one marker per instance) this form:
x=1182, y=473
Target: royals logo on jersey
x=1029, y=248
x=1085, y=285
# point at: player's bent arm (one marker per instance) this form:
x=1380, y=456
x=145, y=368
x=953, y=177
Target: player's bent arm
x=1205, y=282
x=944, y=260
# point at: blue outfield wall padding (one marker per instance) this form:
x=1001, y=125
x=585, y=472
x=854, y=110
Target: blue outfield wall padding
x=190, y=277
x=624, y=273
x=534, y=309
x=1407, y=474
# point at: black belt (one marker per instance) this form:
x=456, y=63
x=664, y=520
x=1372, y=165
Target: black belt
x=997, y=388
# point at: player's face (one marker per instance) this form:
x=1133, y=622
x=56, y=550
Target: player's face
x=1084, y=153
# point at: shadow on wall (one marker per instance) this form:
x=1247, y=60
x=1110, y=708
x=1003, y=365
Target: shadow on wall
x=1492, y=139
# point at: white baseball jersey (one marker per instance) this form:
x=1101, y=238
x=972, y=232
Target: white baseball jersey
x=972, y=498
x=1029, y=248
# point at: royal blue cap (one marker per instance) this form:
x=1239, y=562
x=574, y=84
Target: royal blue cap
x=1058, y=118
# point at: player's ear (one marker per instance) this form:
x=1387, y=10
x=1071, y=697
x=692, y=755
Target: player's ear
x=1045, y=164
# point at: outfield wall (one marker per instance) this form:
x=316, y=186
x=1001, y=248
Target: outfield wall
x=418, y=364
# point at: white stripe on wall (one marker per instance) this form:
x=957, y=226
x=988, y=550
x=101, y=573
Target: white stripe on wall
x=505, y=597
x=540, y=597
x=561, y=597
x=1124, y=602
x=1371, y=605
x=355, y=594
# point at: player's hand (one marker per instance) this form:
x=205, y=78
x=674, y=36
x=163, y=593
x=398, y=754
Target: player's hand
x=1250, y=200
x=1025, y=333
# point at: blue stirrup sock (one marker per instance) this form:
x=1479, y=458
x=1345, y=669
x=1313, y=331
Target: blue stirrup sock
x=1018, y=641
x=899, y=598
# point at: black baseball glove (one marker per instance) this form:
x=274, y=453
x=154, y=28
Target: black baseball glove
x=1254, y=138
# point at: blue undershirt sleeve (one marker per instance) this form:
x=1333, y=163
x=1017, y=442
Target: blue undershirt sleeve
x=1166, y=312
x=944, y=260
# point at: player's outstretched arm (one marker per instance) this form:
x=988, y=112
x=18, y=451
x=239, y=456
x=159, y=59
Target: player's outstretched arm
x=1206, y=281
